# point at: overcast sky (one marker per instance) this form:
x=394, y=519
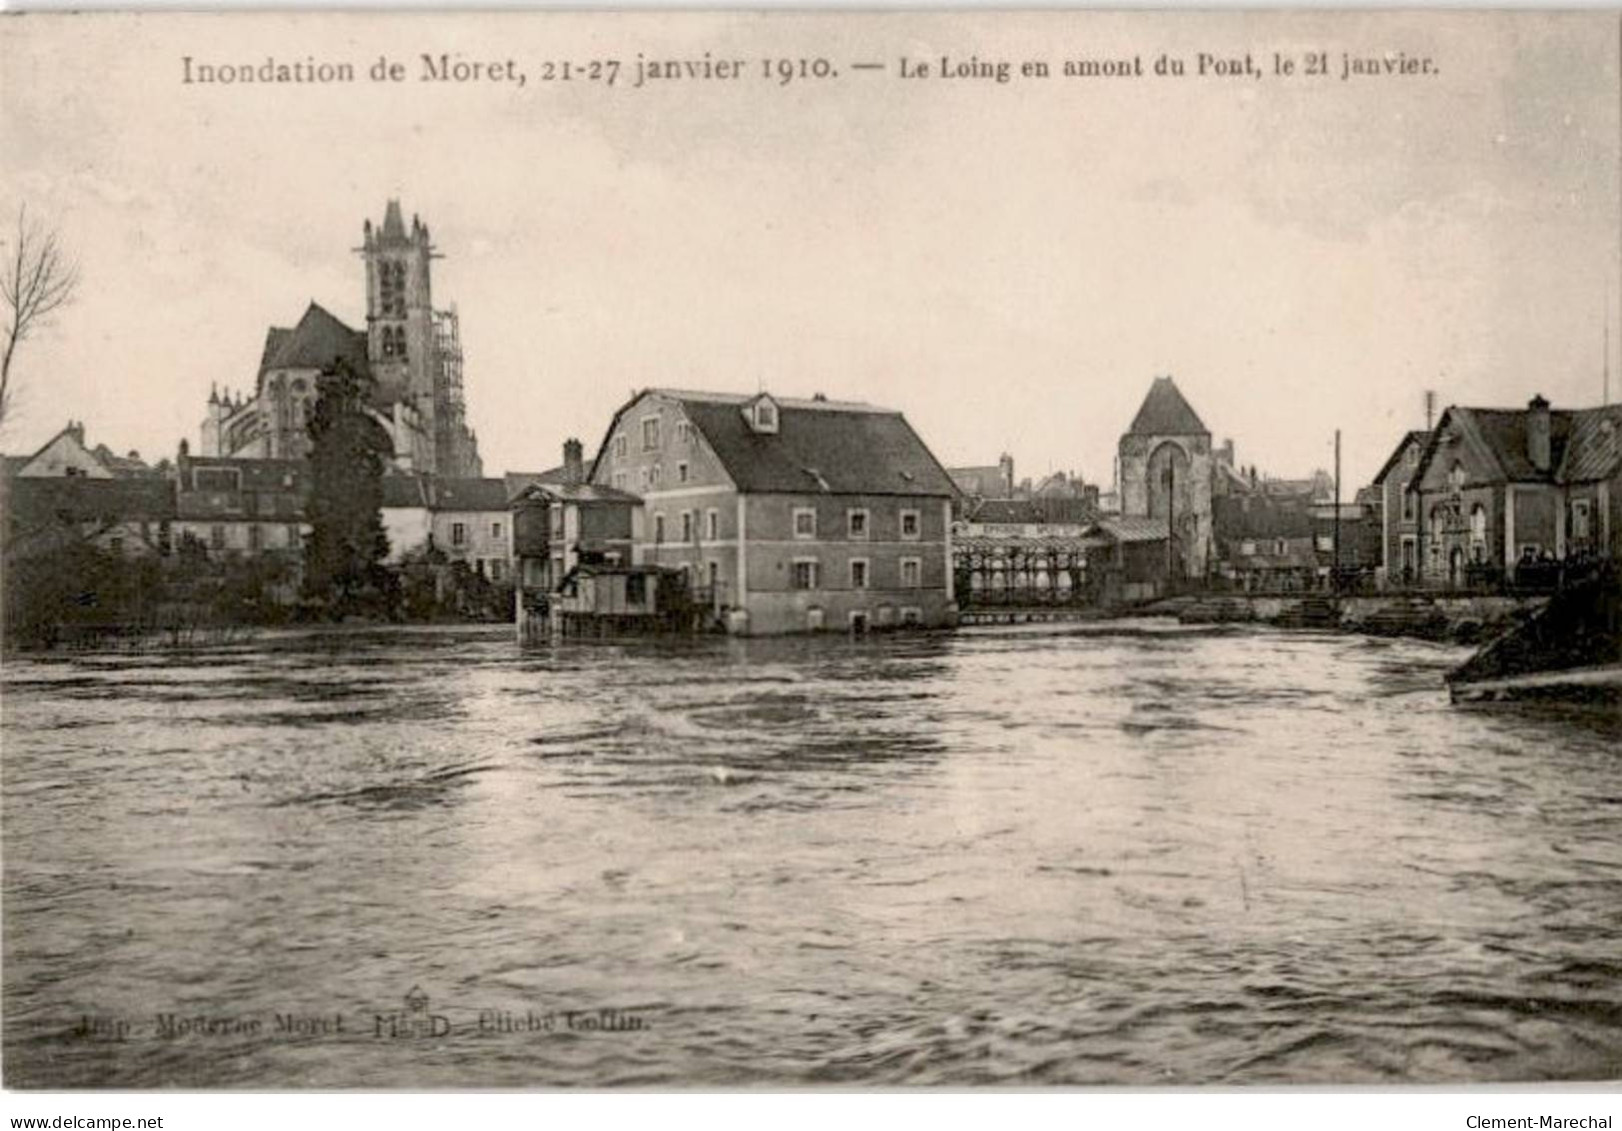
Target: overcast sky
x=1008, y=264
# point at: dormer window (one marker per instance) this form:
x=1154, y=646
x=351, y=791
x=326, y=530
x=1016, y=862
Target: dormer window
x=762, y=414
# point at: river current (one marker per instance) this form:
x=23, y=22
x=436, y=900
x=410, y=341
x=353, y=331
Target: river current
x=1126, y=853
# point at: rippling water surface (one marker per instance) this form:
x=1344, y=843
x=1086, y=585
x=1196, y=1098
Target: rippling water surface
x=1122, y=854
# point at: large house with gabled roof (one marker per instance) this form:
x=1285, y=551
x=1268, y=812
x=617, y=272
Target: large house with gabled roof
x=1501, y=490
x=786, y=515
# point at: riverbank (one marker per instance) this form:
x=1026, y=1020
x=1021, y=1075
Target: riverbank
x=1450, y=618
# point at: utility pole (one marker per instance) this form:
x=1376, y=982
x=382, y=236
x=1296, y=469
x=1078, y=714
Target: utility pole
x=1336, y=576
x=1171, y=521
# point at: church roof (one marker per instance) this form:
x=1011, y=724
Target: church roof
x=393, y=225
x=317, y=340
x=1165, y=413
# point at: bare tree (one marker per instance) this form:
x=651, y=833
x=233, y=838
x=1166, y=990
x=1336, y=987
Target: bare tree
x=39, y=279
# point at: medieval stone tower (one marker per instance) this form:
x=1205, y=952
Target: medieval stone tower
x=415, y=351
x=1165, y=472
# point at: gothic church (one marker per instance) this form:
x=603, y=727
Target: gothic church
x=412, y=351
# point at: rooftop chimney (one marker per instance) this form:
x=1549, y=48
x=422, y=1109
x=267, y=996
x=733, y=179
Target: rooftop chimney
x=574, y=463
x=1537, y=433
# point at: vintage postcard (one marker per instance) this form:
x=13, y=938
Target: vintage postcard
x=853, y=549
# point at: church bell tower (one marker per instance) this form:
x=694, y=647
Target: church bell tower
x=400, y=312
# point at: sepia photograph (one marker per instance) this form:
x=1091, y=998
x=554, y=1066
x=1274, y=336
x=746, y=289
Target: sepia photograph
x=737, y=550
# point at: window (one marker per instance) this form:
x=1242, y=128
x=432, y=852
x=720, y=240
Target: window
x=684, y=431
x=805, y=522
x=619, y=481
x=715, y=574
x=621, y=446
x=1407, y=502
x=1478, y=524
x=681, y=472
x=858, y=573
x=1408, y=561
x=1326, y=543
x=909, y=525
x=556, y=511
x=1247, y=547
x=1579, y=520
x=805, y=573
x=216, y=536
x=686, y=526
x=1278, y=547
x=458, y=534
x=656, y=475
x=495, y=530
x=256, y=537
x=856, y=524
x=292, y=536
x=765, y=416
x=658, y=528
x=115, y=545
x=478, y=566
x=650, y=434
x=712, y=524
x=498, y=569
x=911, y=573
x=858, y=621
x=636, y=589
x=1455, y=476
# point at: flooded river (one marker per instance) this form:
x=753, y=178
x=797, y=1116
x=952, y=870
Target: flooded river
x=1111, y=854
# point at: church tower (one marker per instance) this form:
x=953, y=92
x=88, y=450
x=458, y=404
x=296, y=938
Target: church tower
x=414, y=351
x=400, y=310
x=1164, y=466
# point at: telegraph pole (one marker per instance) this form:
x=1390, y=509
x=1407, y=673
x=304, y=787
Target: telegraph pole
x=1171, y=522
x=1337, y=511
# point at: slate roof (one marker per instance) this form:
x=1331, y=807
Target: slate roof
x=1134, y=529
x=1420, y=436
x=35, y=502
x=1594, y=446
x=317, y=340
x=839, y=448
x=1501, y=433
x=579, y=492
x=405, y=491
x=1023, y=512
x=275, y=338
x=445, y=494
x=469, y=494
x=253, y=474
x=1164, y=412
x=978, y=480
x=518, y=481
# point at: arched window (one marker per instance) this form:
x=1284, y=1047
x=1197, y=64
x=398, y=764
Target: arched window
x=1455, y=476
x=1478, y=523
